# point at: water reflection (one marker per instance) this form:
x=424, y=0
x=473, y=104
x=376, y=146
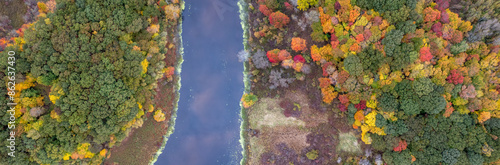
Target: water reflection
x=207, y=125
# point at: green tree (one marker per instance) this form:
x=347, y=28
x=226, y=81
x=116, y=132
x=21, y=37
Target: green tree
x=388, y=102
x=353, y=65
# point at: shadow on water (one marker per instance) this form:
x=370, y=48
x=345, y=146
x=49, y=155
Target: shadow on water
x=207, y=124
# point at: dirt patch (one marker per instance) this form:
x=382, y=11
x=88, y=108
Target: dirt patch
x=294, y=137
x=309, y=115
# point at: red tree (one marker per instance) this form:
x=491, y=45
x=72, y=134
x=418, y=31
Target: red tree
x=472, y=56
x=425, y=54
x=3, y=43
x=299, y=58
x=278, y=19
x=273, y=55
x=456, y=37
x=324, y=82
x=288, y=6
x=442, y=5
x=361, y=105
x=455, y=77
x=360, y=38
x=342, y=107
x=401, y=146
x=445, y=18
x=265, y=10
x=431, y=15
x=438, y=29
x=344, y=99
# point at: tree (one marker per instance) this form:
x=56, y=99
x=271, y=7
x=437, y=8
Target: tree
x=265, y=10
x=484, y=116
x=391, y=41
x=315, y=55
x=387, y=102
x=273, y=56
x=423, y=86
x=298, y=44
x=353, y=65
x=459, y=48
x=401, y=146
x=317, y=35
x=159, y=116
x=284, y=55
x=396, y=128
x=172, y=12
x=371, y=59
x=305, y=4
x=410, y=106
x=450, y=156
x=248, y=100
x=380, y=121
x=431, y=15
x=432, y=103
x=425, y=54
x=278, y=19
x=260, y=60
x=91, y=59
x=455, y=77
x=299, y=59
x=328, y=94
x=475, y=158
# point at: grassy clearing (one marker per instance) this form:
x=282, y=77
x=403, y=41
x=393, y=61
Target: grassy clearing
x=267, y=113
x=348, y=143
x=255, y=150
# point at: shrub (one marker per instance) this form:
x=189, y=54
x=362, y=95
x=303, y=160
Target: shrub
x=312, y=155
x=248, y=100
x=159, y=116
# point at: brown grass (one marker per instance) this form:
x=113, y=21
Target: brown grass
x=319, y=118
x=140, y=147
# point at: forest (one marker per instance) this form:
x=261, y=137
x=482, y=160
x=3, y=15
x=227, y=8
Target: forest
x=411, y=81
x=86, y=73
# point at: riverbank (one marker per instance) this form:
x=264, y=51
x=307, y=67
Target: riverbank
x=145, y=144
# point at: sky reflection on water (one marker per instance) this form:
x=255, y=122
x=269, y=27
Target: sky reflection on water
x=207, y=125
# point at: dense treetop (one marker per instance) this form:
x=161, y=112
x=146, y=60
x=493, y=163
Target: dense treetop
x=85, y=76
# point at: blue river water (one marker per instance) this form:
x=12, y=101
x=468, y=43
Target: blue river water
x=208, y=123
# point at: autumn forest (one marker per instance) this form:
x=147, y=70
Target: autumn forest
x=385, y=82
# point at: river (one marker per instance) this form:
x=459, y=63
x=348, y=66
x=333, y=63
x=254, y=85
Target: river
x=207, y=128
